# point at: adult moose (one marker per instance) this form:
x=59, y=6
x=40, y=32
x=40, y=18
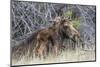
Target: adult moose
x=60, y=30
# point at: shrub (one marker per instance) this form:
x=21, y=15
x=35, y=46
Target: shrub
x=76, y=23
x=68, y=14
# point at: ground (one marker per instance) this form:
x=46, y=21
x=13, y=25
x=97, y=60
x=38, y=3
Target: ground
x=64, y=56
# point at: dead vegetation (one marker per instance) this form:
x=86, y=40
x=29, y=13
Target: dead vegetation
x=64, y=56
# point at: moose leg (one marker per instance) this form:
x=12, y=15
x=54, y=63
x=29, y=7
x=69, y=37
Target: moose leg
x=42, y=48
x=75, y=43
x=56, y=47
x=36, y=48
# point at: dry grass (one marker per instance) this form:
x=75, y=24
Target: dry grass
x=64, y=56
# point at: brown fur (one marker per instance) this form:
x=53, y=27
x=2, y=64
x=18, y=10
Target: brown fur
x=52, y=33
x=38, y=42
x=45, y=35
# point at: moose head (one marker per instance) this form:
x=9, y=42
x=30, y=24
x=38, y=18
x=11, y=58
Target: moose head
x=67, y=29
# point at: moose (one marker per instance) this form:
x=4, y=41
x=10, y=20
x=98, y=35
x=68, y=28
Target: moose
x=61, y=29
x=38, y=42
